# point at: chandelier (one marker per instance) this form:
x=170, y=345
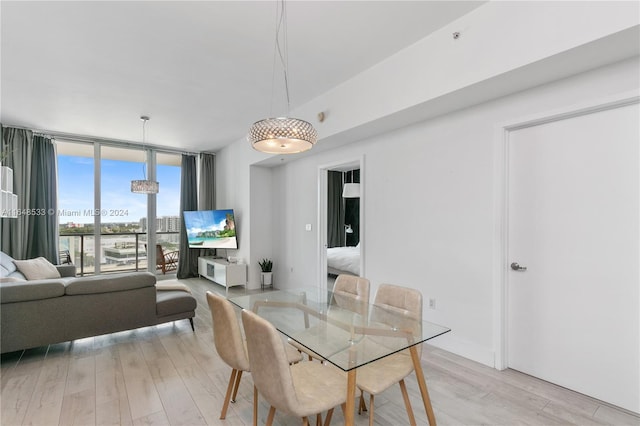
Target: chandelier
x=282, y=135
x=144, y=186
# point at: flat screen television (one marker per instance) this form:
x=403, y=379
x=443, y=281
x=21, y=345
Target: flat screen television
x=211, y=229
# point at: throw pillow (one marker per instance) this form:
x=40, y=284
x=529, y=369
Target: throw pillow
x=37, y=269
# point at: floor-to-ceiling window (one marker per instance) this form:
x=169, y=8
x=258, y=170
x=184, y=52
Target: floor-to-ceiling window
x=76, y=171
x=103, y=225
x=168, y=220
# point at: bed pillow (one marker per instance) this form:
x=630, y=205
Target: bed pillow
x=37, y=269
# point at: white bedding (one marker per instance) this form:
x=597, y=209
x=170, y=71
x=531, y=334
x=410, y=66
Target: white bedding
x=344, y=259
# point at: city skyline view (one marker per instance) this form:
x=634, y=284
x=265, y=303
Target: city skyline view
x=118, y=203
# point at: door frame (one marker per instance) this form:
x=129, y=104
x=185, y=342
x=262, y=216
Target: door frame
x=501, y=204
x=355, y=162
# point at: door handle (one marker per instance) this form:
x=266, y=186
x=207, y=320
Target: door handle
x=517, y=267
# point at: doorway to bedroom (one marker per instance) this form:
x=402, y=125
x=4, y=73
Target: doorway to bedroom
x=340, y=221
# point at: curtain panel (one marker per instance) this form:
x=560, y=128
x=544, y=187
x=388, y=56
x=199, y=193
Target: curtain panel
x=207, y=187
x=33, y=160
x=207, y=190
x=335, y=210
x=188, y=265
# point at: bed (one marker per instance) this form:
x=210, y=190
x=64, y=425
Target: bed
x=343, y=260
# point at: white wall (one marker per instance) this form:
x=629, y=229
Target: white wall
x=429, y=204
x=263, y=226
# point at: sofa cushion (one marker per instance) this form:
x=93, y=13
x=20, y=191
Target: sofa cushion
x=37, y=269
x=6, y=264
x=109, y=283
x=174, y=302
x=22, y=291
x=8, y=268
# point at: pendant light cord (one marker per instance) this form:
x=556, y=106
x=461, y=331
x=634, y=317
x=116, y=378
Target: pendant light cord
x=144, y=151
x=282, y=53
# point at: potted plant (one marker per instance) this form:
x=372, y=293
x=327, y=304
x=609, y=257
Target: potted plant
x=266, y=276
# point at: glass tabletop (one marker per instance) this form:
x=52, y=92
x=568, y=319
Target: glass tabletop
x=345, y=332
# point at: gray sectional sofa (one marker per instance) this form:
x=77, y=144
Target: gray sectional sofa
x=41, y=312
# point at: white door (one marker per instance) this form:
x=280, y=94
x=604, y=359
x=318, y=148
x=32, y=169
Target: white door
x=573, y=314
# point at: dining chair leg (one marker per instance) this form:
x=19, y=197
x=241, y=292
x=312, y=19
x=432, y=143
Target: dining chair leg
x=407, y=403
x=327, y=420
x=305, y=421
x=236, y=386
x=227, y=397
x=272, y=413
x=363, y=406
x=318, y=419
x=255, y=406
x=371, y=410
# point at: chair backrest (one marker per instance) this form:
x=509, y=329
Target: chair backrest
x=400, y=300
x=160, y=260
x=226, y=332
x=269, y=365
x=352, y=292
x=407, y=301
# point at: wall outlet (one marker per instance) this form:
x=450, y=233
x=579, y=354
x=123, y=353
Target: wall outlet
x=307, y=227
x=432, y=303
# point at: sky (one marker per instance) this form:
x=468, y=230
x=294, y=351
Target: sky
x=118, y=203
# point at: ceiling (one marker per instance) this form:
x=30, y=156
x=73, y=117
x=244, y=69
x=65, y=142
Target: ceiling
x=202, y=70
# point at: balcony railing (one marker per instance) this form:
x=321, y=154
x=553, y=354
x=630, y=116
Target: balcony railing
x=118, y=252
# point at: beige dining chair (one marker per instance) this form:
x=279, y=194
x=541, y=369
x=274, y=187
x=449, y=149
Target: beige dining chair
x=349, y=292
x=352, y=293
x=299, y=390
x=231, y=346
x=376, y=377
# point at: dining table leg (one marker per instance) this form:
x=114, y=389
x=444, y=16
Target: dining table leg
x=351, y=398
x=422, y=384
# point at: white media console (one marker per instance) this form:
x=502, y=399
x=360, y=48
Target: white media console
x=222, y=272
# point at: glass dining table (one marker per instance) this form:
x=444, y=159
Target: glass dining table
x=345, y=333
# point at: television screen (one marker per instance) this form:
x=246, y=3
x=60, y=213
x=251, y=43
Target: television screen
x=211, y=229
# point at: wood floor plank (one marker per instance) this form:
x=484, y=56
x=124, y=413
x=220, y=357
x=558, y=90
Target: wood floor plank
x=81, y=375
x=178, y=404
x=112, y=403
x=79, y=409
x=206, y=395
x=46, y=401
x=611, y=415
x=141, y=391
x=154, y=419
x=16, y=396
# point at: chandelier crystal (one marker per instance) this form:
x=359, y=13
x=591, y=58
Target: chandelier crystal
x=282, y=135
x=145, y=186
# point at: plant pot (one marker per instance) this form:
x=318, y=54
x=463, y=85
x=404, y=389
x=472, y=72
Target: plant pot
x=266, y=278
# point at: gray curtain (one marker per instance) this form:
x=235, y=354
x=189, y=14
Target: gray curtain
x=335, y=210
x=207, y=187
x=33, y=160
x=188, y=265
x=207, y=190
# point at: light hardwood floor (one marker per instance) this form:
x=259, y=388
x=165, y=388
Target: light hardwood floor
x=169, y=375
